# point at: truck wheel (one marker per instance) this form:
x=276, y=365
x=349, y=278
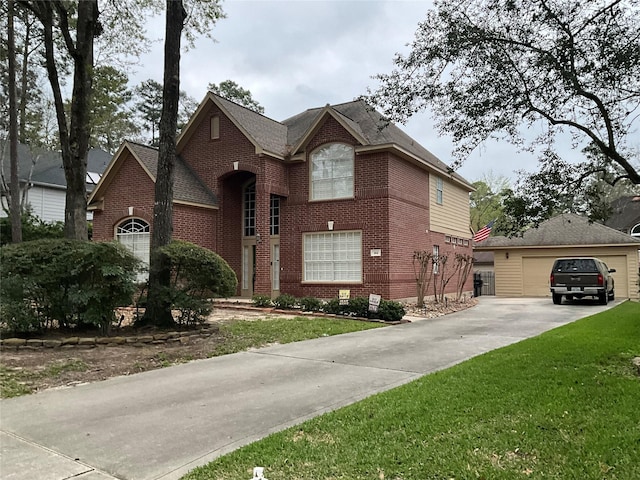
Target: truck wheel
x=603, y=298
x=612, y=295
x=557, y=298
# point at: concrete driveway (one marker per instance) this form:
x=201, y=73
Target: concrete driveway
x=163, y=423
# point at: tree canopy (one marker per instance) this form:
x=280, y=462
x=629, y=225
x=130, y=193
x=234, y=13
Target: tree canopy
x=496, y=68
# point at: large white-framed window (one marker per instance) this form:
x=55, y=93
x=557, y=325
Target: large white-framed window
x=134, y=233
x=332, y=171
x=635, y=231
x=333, y=256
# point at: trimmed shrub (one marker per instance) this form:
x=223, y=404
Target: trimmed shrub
x=285, y=301
x=388, y=310
x=310, y=304
x=64, y=283
x=333, y=307
x=197, y=275
x=358, y=307
x=391, y=311
x=262, y=301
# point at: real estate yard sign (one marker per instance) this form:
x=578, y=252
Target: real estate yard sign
x=343, y=297
x=374, y=302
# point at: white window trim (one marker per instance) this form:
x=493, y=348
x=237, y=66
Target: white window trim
x=311, y=179
x=307, y=263
x=439, y=191
x=143, y=229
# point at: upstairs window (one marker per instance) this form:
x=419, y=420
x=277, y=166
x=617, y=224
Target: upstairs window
x=332, y=172
x=215, y=127
x=635, y=231
x=439, y=190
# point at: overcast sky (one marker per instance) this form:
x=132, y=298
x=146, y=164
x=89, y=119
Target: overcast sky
x=300, y=54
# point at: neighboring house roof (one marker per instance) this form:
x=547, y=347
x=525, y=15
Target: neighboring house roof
x=625, y=213
x=563, y=230
x=187, y=188
x=285, y=139
x=48, y=170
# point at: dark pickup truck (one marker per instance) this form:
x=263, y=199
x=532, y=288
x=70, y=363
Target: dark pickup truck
x=581, y=277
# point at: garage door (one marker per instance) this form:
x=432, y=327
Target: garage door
x=536, y=270
x=535, y=276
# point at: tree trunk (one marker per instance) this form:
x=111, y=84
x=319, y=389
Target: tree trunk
x=14, y=207
x=75, y=170
x=74, y=140
x=158, y=311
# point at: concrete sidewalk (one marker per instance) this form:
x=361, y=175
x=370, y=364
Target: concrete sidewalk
x=163, y=423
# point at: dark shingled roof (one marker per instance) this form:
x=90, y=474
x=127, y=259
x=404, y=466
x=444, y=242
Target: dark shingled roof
x=269, y=134
x=187, y=187
x=566, y=229
x=370, y=125
x=48, y=170
x=279, y=137
x=625, y=213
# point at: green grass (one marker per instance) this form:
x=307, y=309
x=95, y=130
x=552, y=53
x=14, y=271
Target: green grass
x=240, y=335
x=15, y=381
x=564, y=405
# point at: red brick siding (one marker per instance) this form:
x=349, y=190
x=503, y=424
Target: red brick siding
x=390, y=207
x=190, y=223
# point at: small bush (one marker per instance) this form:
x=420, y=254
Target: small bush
x=310, y=304
x=197, y=274
x=285, y=301
x=359, y=307
x=64, y=283
x=391, y=311
x=333, y=307
x=262, y=301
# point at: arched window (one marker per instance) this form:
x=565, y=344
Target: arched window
x=332, y=172
x=635, y=231
x=134, y=234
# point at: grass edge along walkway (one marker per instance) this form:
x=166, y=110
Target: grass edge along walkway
x=563, y=405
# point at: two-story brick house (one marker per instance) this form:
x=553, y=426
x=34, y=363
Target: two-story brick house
x=332, y=198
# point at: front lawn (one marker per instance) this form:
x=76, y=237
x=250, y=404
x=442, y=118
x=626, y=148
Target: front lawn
x=564, y=405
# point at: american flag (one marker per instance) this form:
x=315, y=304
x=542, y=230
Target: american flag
x=484, y=232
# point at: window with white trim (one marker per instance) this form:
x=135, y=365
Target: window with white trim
x=274, y=215
x=333, y=257
x=635, y=231
x=436, y=259
x=249, y=210
x=134, y=234
x=332, y=172
x=439, y=191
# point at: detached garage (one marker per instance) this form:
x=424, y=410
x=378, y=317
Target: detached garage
x=522, y=265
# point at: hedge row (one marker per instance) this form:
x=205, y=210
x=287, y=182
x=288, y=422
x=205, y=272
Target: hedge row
x=389, y=310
